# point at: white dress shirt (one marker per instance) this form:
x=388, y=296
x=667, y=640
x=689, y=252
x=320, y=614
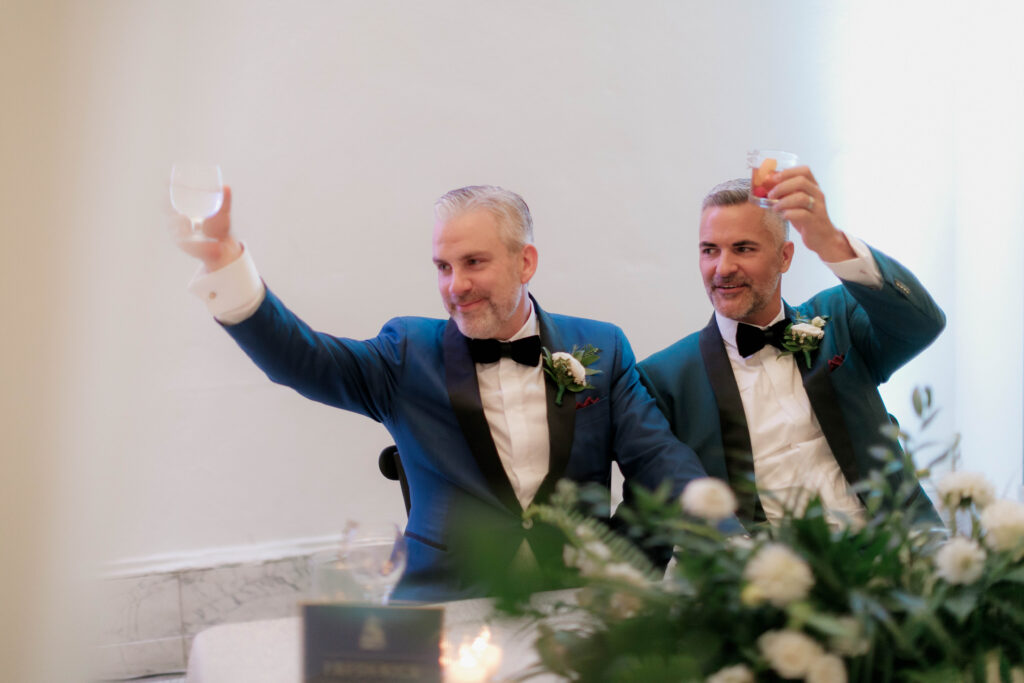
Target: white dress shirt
x=792, y=459
x=513, y=395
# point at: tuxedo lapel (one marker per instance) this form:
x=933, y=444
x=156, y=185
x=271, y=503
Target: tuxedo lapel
x=739, y=459
x=561, y=418
x=825, y=403
x=464, y=394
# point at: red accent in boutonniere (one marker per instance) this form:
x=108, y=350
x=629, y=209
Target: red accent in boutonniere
x=589, y=402
x=835, y=361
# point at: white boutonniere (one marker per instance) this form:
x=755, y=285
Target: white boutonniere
x=805, y=336
x=569, y=370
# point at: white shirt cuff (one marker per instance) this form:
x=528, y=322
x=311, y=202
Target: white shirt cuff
x=232, y=293
x=861, y=270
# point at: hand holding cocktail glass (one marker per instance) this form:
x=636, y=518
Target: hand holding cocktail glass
x=778, y=184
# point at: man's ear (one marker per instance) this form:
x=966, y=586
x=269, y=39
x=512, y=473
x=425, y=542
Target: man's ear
x=787, y=256
x=529, y=263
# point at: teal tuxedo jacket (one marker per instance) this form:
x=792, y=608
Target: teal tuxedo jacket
x=870, y=334
x=417, y=379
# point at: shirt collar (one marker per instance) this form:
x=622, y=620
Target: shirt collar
x=727, y=326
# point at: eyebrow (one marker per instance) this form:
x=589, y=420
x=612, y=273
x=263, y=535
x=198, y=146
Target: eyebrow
x=739, y=243
x=466, y=257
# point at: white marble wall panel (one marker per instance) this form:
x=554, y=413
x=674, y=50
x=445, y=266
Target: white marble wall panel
x=143, y=658
x=137, y=609
x=242, y=593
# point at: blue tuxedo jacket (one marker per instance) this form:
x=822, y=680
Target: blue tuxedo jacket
x=870, y=333
x=416, y=377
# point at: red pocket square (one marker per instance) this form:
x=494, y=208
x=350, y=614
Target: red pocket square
x=589, y=402
x=835, y=361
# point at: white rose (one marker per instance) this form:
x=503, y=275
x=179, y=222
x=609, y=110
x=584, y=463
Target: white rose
x=852, y=642
x=827, y=669
x=709, y=498
x=1003, y=522
x=571, y=365
x=790, y=653
x=960, y=560
x=959, y=489
x=778, y=575
x=807, y=330
x=818, y=321
x=738, y=673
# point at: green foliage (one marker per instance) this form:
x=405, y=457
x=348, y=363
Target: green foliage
x=877, y=598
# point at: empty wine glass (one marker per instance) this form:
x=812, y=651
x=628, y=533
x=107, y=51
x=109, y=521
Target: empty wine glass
x=197, y=192
x=366, y=566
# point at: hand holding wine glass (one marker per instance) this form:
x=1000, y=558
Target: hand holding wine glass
x=207, y=238
x=197, y=192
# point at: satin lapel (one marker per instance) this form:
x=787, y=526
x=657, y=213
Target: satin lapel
x=464, y=394
x=739, y=459
x=825, y=404
x=561, y=419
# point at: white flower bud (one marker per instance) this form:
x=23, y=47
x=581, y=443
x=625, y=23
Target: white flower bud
x=960, y=560
x=959, y=489
x=779, y=575
x=709, y=498
x=569, y=363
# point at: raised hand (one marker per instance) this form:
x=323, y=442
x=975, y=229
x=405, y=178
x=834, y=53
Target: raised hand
x=801, y=202
x=219, y=248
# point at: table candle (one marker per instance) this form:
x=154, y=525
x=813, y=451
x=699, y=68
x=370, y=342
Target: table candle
x=475, y=662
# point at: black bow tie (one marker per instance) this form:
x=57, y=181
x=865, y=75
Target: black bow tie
x=751, y=339
x=525, y=350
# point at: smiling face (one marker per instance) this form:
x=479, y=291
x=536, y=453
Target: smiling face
x=742, y=259
x=483, y=283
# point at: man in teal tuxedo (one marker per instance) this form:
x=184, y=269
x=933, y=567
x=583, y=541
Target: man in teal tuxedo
x=481, y=429
x=798, y=424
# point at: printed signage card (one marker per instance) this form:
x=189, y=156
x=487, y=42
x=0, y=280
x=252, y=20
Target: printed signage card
x=356, y=642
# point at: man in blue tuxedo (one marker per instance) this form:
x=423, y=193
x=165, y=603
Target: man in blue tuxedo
x=795, y=424
x=481, y=431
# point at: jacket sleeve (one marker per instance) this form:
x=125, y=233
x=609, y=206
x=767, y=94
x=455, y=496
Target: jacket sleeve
x=359, y=376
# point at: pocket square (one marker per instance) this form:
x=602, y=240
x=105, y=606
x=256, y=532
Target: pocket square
x=835, y=361
x=589, y=402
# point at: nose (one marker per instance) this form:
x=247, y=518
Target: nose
x=458, y=283
x=726, y=266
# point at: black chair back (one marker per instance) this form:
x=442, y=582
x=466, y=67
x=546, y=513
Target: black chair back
x=390, y=464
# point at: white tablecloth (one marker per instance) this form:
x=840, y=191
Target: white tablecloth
x=270, y=651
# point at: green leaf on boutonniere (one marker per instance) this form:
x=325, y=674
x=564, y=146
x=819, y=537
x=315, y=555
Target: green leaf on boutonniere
x=569, y=369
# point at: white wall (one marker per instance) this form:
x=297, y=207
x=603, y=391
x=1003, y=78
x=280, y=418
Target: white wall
x=338, y=122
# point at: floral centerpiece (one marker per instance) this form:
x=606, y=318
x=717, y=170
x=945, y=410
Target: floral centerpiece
x=883, y=599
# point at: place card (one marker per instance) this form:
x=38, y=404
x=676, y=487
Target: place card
x=357, y=642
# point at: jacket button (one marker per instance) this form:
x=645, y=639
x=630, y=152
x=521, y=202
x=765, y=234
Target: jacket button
x=527, y=524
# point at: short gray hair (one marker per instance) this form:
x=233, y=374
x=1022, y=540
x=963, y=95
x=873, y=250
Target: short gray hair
x=737, y=191
x=515, y=225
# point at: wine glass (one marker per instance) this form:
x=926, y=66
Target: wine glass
x=197, y=192
x=366, y=566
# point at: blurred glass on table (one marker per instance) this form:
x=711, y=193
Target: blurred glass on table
x=364, y=568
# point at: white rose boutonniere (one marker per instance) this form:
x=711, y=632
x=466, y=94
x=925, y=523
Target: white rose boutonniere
x=569, y=370
x=805, y=336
